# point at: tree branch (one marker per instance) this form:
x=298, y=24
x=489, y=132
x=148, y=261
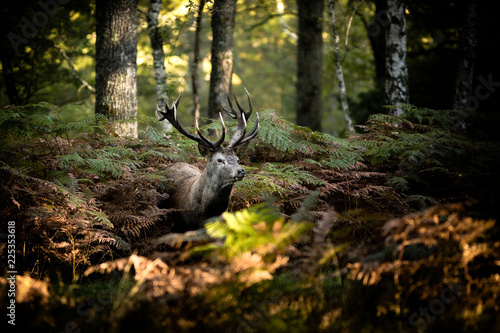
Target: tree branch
x=350, y=21
x=73, y=70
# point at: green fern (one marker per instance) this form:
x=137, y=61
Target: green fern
x=279, y=179
x=154, y=154
x=286, y=137
x=400, y=183
x=422, y=144
x=259, y=229
x=107, y=161
x=343, y=158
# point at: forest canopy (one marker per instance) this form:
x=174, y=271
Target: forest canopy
x=51, y=57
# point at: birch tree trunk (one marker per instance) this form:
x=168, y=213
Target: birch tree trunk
x=158, y=58
x=222, y=54
x=196, y=60
x=116, y=64
x=310, y=64
x=338, y=68
x=464, y=80
x=396, y=78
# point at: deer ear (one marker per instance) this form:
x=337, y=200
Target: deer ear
x=204, y=151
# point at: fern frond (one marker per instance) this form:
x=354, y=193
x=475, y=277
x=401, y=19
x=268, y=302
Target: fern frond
x=399, y=183
x=107, y=237
x=153, y=154
x=342, y=159
x=258, y=228
x=100, y=218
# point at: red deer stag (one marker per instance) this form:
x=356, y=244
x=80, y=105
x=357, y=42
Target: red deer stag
x=201, y=195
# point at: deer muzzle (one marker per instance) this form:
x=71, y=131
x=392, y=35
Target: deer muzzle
x=240, y=174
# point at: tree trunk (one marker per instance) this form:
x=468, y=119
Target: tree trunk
x=376, y=31
x=396, y=79
x=9, y=78
x=464, y=80
x=158, y=58
x=9, y=50
x=222, y=54
x=196, y=60
x=338, y=68
x=116, y=63
x=309, y=64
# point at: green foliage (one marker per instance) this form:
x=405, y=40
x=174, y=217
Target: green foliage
x=343, y=158
x=85, y=197
x=257, y=229
x=288, y=140
x=278, y=179
x=423, y=145
x=107, y=161
x=400, y=156
x=58, y=174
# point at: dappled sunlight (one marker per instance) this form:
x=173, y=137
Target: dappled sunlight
x=318, y=225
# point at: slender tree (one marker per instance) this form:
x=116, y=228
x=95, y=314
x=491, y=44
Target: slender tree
x=309, y=63
x=222, y=53
x=116, y=63
x=464, y=80
x=158, y=57
x=196, y=59
x=338, y=67
x=396, y=79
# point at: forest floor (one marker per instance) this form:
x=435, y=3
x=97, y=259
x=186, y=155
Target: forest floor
x=392, y=229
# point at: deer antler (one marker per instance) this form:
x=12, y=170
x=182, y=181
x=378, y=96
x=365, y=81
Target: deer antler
x=171, y=116
x=240, y=136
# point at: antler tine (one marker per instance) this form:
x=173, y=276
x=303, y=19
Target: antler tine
x=223, y=136
x=240, y=130
x=249, y=112
x=232, y=112
x=159, y=114
x=240, y=135
x=171, y=115
x=214, y=146
x=253, y=132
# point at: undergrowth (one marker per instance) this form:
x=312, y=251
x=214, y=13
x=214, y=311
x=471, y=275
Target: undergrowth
x=317, y=222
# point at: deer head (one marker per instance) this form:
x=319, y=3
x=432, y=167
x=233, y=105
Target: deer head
x=221, y=160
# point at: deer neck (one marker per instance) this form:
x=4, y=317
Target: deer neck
x=210, y=193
